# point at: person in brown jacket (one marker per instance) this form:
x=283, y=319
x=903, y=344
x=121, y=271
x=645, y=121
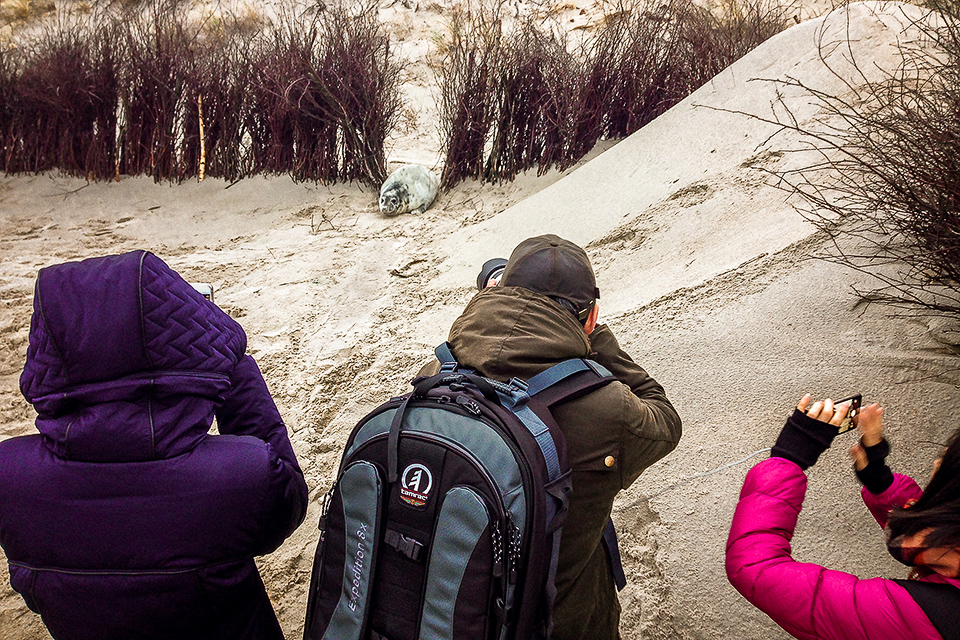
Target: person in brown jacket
x=545, y=311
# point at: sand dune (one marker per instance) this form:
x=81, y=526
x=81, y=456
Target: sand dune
x=705, y=278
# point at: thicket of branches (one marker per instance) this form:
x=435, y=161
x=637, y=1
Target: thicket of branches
x=887, y=187
x=521, y=96
x=140, y=88
x=59, y=103
x=147, y=90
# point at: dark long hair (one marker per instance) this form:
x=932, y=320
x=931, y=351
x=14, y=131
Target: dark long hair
x=939, y=506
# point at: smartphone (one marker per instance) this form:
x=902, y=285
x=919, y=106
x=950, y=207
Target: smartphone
x=205, y=289
x=847, y=423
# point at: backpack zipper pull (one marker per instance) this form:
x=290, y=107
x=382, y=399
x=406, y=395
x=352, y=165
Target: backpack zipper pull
x=514, y=553
x=469, y=405
x=497, y=541
x=325, y=508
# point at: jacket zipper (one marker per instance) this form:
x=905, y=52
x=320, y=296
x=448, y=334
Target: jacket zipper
x=129, y=572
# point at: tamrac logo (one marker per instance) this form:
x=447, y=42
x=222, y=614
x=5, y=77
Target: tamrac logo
x=415, y=485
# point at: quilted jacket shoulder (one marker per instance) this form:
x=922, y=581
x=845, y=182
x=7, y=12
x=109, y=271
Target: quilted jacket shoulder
x=125, y=518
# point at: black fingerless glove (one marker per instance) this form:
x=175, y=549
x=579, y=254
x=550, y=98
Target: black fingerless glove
x=876, y=476
x=803, y=439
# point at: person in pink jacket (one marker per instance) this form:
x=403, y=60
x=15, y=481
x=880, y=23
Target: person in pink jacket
x=923, y=531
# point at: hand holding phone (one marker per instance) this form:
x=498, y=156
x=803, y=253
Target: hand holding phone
x=848, y=424
x=826, y=411
x=870, y=424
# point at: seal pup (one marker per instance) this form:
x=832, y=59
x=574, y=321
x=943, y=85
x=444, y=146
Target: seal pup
x=409, y=189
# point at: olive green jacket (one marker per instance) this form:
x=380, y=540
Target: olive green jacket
x=612, y=434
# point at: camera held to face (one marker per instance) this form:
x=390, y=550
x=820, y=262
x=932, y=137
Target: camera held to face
x=491, y=273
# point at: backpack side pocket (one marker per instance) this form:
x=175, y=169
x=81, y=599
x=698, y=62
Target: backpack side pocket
x=457, y=600
x=342, y=598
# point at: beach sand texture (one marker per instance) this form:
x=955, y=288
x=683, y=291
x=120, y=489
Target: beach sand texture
x=705, y=277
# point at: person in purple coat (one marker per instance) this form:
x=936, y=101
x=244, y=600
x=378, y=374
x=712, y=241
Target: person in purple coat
x=923, y=531
x=124, y=517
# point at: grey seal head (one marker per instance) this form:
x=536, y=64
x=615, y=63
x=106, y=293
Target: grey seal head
x=409, y=189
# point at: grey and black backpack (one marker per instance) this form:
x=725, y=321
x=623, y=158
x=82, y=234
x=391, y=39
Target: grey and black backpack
x=444, y=522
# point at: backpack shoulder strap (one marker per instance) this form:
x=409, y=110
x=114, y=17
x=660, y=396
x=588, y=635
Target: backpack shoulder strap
x=561, y=383
x=568, y=380
x=445, y=356
x=613, y=548
x=941, y=603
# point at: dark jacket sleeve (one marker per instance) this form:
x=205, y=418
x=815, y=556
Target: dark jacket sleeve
x=653, y=427
x=249, y=410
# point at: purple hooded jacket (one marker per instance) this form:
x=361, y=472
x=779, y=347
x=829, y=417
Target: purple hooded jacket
x=123, y=518
x=808, y=600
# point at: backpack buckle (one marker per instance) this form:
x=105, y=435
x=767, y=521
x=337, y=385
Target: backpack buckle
x=406, y=546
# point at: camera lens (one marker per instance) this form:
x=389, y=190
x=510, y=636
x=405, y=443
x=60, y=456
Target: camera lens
x=491, y=272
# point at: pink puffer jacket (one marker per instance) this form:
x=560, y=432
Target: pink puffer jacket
x=807, y=600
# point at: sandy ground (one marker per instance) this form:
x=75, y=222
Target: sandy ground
x=327, y=289
x=706, y=279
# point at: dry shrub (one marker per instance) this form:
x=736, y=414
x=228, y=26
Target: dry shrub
x=356, y=86
x=326, y=97
x=520, y=95
x=635, y=61
x=160, y=54
x=220, y=87
x=650, y=55
x=60, y=100
x=534, y=83
x=887, y=187
x=316, y=94
x=274, y=119
x=8, y=104
x=155, y=92
x=507, y=97
x=713, y=40
x=464, y=78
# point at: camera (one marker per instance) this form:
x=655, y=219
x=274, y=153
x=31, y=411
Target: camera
x=491, y=272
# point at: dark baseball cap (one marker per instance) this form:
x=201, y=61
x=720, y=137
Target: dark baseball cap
x=553, y=267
